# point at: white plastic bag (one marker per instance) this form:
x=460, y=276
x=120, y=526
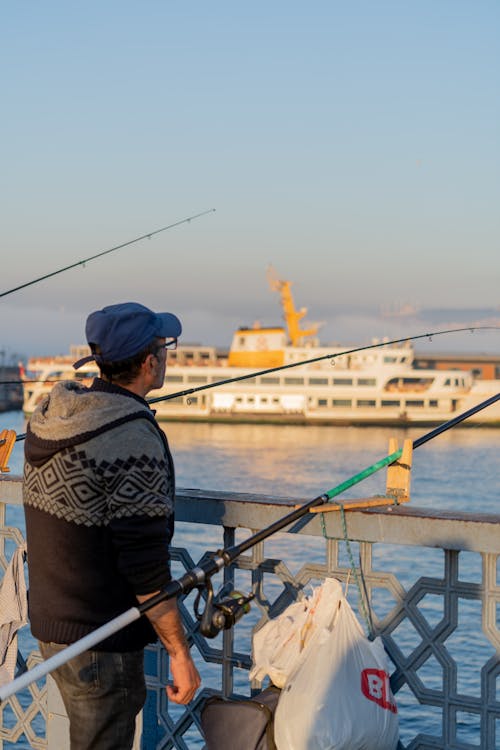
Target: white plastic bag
x=280, y=643
x=338, y=696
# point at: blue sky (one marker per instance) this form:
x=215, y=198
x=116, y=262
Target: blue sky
x=353, y=145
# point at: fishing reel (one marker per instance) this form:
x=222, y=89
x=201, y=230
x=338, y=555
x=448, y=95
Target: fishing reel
x=220, y=613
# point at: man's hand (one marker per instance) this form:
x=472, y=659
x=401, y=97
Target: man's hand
x=186, y=679
x=166, y=621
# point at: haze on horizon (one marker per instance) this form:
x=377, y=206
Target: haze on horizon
x=355, y=146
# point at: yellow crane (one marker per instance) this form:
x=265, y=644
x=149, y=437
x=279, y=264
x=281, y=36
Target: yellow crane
x=292, y=316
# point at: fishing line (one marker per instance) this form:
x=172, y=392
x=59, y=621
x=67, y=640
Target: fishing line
x=207, y=567
x=105, y=252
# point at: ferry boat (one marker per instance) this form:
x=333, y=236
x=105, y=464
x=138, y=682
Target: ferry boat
x=374, y=386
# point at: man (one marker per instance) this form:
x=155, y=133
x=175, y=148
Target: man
x=98, y=497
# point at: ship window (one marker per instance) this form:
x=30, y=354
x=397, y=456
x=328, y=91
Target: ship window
x=365, y=402
x=193, y=399
x=215, y=378
x=250, y=400
x=389, y=358
x=250, y=380
x=242, y=341
x=239, y=400
x=342, y=381
x=342, y=402
x=322, y=402
x=197, y=379
x=294, y=381
x=433, y=402
x=176, y=400
x=276, y=400
x=318, y=381
x=366, y=381
x=410, y=383
x=389, y=402
x=174, y=379
x=263, y=400
x=497, y=372
x=447, y=381
x=269, y=381
x=414, y=402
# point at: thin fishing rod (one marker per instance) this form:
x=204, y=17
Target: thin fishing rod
x=105, y=252
x=218, y=383
x=202, y=573
x=190, y=391
x=255, y=374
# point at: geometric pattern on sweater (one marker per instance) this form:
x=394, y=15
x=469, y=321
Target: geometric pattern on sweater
x=77, y=488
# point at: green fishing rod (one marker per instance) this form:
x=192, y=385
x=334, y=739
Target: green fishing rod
x=224, y=613
x=106, y=252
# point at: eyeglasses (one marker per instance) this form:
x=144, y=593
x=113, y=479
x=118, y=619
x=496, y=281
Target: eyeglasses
x=169, y=344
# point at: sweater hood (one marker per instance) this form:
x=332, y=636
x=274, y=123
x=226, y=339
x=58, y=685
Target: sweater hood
x=72, y=414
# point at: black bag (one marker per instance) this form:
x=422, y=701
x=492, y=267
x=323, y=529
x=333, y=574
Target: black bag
x=246, y=724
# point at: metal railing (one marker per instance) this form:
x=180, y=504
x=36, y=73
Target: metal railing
x=432, y=583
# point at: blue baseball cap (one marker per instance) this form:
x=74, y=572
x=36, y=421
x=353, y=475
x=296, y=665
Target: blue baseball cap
x=123, y=330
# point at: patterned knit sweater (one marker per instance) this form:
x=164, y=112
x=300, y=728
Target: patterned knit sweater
x=98, y=496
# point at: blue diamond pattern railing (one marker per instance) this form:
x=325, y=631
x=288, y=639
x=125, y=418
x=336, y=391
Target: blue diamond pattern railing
x=432, y=581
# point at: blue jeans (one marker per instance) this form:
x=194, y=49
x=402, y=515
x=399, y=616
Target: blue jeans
x=102, y=692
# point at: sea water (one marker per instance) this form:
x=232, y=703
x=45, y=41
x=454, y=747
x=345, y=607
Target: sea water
x=457, y=470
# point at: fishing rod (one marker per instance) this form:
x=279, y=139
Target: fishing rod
x=224, y=613
x=257, y=373
x=105, y=252
x=190, y=391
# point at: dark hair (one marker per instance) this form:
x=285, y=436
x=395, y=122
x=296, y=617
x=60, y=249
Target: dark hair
x=126, y=370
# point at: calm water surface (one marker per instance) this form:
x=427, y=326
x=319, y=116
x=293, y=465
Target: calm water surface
x=457, y=470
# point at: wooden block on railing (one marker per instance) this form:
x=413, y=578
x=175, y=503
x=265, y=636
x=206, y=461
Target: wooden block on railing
x=399, y=473
x=363, y=504
x=7, y=440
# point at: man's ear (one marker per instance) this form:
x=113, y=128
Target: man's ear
x=149, y=363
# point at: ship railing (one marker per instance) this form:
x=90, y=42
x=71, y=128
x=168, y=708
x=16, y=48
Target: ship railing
x=432, y=582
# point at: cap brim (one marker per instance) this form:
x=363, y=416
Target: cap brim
x=170, y=325
x=83, y=361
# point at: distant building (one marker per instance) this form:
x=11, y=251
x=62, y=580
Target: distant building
x=11, y=390
x=482, y=366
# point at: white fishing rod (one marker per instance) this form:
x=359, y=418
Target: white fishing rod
x=219, y=615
